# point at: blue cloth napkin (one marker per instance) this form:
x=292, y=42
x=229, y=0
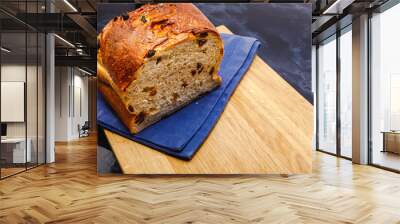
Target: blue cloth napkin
x=181, y=134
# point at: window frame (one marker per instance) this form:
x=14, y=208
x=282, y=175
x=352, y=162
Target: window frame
x=334, y=37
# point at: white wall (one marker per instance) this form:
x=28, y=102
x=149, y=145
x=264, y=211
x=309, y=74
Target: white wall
x=33, y=127
x=71, y=93
x=16, y=72
x=61, y=104
x=81, y=102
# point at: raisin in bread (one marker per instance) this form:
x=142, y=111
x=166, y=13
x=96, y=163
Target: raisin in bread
x=156, y=59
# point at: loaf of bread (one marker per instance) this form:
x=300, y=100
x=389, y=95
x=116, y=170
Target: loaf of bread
x=156, y=59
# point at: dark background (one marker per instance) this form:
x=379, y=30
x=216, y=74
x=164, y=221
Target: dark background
x=284, y=30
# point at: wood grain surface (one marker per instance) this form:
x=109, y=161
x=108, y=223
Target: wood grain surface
x=70, y=191
x=266, y=127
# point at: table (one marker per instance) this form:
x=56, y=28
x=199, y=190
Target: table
x=391, y=141
x=18, y=151
x=267, y=127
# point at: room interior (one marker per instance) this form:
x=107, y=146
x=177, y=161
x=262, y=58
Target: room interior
x=385, y=116
x=333, y=78
x=48, y=68
x=25, y=100
x=22, y=101
x=72, y=102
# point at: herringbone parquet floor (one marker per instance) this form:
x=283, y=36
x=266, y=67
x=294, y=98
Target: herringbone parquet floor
x=70, y=191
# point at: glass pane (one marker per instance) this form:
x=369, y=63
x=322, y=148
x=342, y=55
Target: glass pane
x=32, y=87
x=385, y=95
x=327, y=96
x=346, y=94
x=22, y=79
x=31, y=100
x=13, y=85
x=41, y=98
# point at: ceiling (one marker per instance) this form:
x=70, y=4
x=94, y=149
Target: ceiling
x=75, y=21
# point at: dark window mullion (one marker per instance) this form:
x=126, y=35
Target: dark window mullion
x=316, y=103
x=369, y=91
x=37, y=90
x=338, y=82
x=26, y=87
x=45, y=87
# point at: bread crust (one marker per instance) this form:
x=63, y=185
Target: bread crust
x=130, y=41
x=127, y=40
x=117, y=105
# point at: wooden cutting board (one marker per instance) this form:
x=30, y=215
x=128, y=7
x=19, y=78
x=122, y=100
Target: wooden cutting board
x=266, y=127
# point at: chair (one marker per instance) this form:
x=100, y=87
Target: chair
x=84, y=130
